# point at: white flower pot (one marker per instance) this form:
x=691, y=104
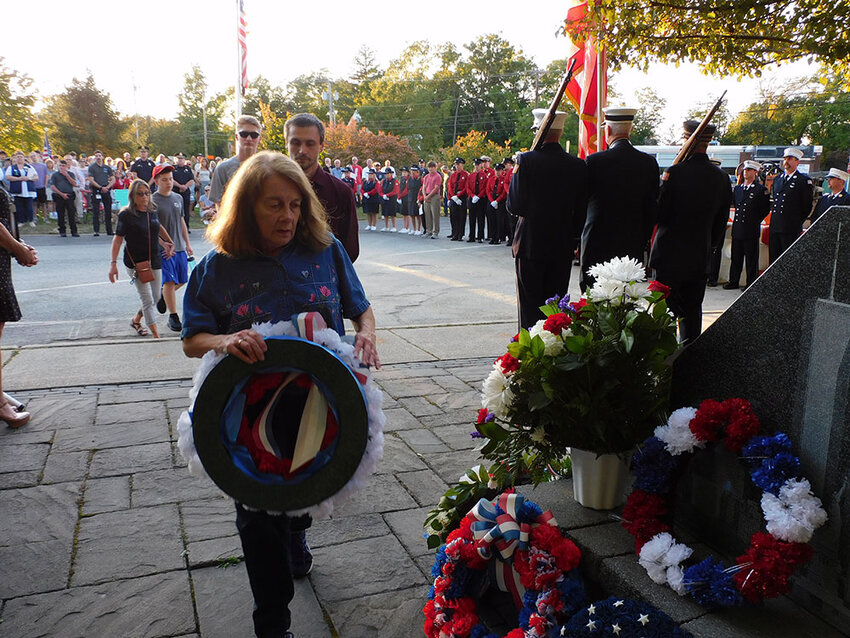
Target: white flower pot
x=600, y=483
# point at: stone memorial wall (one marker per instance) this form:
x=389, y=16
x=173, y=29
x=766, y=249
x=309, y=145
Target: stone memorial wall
x=785, y=346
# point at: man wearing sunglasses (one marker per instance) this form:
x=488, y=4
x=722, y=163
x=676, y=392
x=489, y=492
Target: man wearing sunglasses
x=248, y=133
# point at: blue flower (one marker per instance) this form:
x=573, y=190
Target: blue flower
x=554, y=299
x=529, y=512
x=711, y=585
x=765, y=446
x=653, y=467
x=772, y=472
x=439, y=560
x=564, y=304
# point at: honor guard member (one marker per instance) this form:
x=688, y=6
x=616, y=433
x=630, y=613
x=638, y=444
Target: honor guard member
x=349, y=179
x=476, y=192
x=414, y=187
x=717, y=250
x=510, y=220
x=456, y=191
x=837, y=196
x=388, y=190
x=485, y=166
x=548, y=193
x=371, y=201
x=143, y=166
x=792, y=204
x=622, y=190
x=692, y=213
x=752, y=204
x=184, y=180
x=497, y=193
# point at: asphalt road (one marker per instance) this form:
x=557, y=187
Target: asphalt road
x=411, y=281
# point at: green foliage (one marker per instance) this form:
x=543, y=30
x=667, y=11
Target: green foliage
x=19, y=130
x=738, y=37
x=474, y=144
x=83, y=119
x=456, y=502
x=189, y=137
x=649, y=117
x=344, y=140
x=593, y=376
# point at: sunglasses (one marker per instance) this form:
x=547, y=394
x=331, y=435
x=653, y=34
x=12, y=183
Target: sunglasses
x=246, y=134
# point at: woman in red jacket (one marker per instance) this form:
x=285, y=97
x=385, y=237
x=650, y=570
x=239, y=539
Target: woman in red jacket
x=388, y=190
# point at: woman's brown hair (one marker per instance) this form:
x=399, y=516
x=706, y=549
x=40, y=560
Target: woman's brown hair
x=235, y=232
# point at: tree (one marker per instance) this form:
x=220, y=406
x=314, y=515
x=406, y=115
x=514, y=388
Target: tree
x=192, y=101
x=274, y=135
x=649, y=117
x=344, y=140
x=474, y=144
x=723, y=36
x=261, y=90
x=19, y=129
x=721, y=118
x=83, y=119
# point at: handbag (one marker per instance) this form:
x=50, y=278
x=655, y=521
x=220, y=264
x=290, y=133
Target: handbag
x=144, y=272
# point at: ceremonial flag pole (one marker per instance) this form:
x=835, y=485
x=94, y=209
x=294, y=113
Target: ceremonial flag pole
x=601, y=94
x=47, y=152
x=242, y=55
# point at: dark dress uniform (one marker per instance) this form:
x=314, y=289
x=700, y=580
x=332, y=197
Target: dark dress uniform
x=549, y=194
x=692, y=214
x=143, y=169
x=183, y=175
x=371, y=203
x=622, y=185
x=404, y=209
x=827, y=201
x=752, y=204
x=388, y=187
x=476, y=186
x=456, y=187
x=792, y=203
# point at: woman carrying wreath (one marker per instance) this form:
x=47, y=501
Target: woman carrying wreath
x=139, y=226
x=274, y=257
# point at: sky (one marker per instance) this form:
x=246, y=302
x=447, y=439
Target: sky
x=151, y=48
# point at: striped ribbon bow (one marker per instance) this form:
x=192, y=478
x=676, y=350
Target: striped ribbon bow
x=507, y=534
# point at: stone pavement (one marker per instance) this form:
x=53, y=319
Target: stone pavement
x=103, y=532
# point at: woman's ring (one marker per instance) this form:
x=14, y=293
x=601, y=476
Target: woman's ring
x=239, y=343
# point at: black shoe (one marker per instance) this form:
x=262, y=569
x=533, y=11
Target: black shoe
x=492, y=242
x=730, y=286
x=110, y=234
x=174, y=323
x=74, y=235
x=300, y=556
x=470, y=241
x=712, y=283
x=62, y=235
x=95, y=234
x=480, y=241
x=160, y=305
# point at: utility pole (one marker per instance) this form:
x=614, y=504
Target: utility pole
x=536, y=88
x=329, y=95
x=206, y=139
x=457, y=106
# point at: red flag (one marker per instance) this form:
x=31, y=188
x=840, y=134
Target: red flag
x=243, y=48
x=582, y=90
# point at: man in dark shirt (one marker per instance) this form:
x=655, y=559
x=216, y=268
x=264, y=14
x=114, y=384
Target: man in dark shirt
x=62, y=184
x=549, y=194
x=143, y=166
x=305, y=140
x=792, y=204
x=692, y=214
x=100, y=179
x=184, y=180
x=837, y=196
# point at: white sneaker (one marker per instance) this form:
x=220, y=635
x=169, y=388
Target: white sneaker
x=403, y=231
x=393, y=230
x=32, y=224
x=370, y=227
x=384, y=229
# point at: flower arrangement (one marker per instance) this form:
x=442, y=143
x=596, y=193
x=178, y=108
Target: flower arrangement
x=538, y=565
x=791, y=512
x=593, y=375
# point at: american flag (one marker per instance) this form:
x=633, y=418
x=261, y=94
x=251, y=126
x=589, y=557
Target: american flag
x=47, y=152
x=243, y=48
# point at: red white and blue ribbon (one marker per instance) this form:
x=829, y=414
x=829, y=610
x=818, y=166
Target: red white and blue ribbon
x=507, y=535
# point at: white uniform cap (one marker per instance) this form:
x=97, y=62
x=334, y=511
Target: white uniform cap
x=835, y=172
x=752, y=164
x=557, y=123
x=619, y=114
x=793, y=152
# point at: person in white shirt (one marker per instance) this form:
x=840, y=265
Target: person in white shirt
x=22, y=178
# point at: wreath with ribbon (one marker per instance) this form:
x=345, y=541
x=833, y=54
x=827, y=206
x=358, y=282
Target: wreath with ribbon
x=531, y=558
x=295, y=433
x=791, y=512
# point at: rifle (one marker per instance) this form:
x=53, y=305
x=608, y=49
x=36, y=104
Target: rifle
x=546, y=124
x=687, y=148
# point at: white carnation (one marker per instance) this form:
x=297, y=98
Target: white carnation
x=539, y=434
x=552, y=344
x=661, y=553
x=637, y=290
x=677, y=434
x=676, y=579
x=795, y=514
x=621, y=269
x=496, y=396
x=607, y=290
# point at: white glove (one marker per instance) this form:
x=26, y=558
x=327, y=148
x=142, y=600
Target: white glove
x=475, y=199
x=456, y=200
x=366, y=195
x=385, y=197
x=494, y=204
x=399, y=201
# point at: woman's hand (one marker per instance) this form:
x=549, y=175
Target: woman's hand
x=26, y=255
x=247, y=345
x=366, y=350
x=113, y=272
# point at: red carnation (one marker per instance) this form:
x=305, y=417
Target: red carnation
x=557, y=323
x=743, y=424
x=578, y=305
x=508, y=363
x=482, y=415
x=657, y=286
x=709, y=421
